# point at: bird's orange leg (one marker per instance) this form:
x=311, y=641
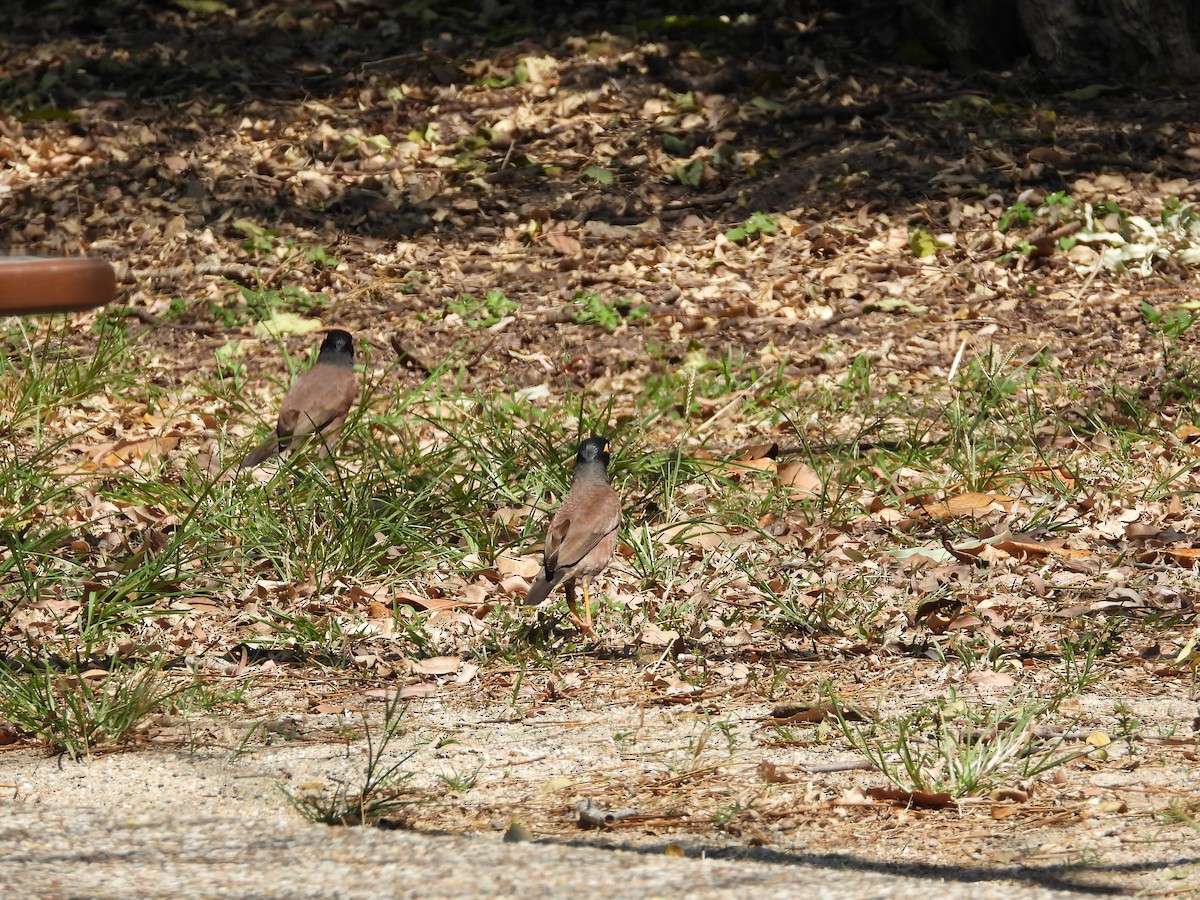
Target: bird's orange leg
x=583, y=623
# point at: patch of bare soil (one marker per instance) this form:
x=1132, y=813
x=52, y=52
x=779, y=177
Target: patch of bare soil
x=435, y=157
x=582, y=757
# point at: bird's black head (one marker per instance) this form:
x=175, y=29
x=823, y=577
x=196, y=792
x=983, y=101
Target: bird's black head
x=594, y=449
x=338, y=348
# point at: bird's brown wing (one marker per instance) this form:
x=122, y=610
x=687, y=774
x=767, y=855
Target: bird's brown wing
x=316, y=400
x=582, y=523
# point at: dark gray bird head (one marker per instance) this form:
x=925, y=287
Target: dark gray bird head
x=337, y=349
x=593, y=450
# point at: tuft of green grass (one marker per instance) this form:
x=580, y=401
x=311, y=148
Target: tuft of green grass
x=953, y=747
x=756, y=224
x=591, y=308
x=77, y=709
x=482, y=313
x=43, y=372
x=460, y=782
x=382, y=789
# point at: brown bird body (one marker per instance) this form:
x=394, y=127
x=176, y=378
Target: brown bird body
x=583, y=533
x=317, y=402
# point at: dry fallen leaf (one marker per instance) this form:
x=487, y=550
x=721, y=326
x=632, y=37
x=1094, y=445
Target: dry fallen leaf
x=1185, y=556
x=656, y=636
x=1020, y=546
x=564, y=243
x=800, y=479
x=771, y=774
x=968, y=504
x=1009, y=795
x=912, y=798
x=526, y=566
x=794, y=715
x=436, y=665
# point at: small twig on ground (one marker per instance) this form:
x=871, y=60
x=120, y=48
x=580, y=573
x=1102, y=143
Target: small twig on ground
x=847, y=766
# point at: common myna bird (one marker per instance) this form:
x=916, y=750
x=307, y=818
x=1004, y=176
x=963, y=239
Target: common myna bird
x=316, y=403
x=583, y=533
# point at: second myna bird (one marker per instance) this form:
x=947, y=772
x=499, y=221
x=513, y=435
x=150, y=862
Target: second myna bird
x=583, y=533
x=317, y=402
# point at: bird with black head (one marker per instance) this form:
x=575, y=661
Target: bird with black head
x=316, y=404
x=583, y=533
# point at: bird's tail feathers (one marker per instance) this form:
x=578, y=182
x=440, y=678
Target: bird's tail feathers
x=260, y=453
x=263, y=451
x=538, y=591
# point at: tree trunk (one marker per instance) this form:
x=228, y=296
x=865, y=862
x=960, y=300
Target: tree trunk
x=1113, y=40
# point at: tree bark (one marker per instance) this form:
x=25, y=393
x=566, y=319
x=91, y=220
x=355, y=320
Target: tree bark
x=1114, y=39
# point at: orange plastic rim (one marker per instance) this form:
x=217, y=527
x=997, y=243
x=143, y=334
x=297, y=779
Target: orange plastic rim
x=30, y=284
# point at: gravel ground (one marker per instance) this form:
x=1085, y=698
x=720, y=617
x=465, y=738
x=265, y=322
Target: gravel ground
x=208, y=819
x=53, y=851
